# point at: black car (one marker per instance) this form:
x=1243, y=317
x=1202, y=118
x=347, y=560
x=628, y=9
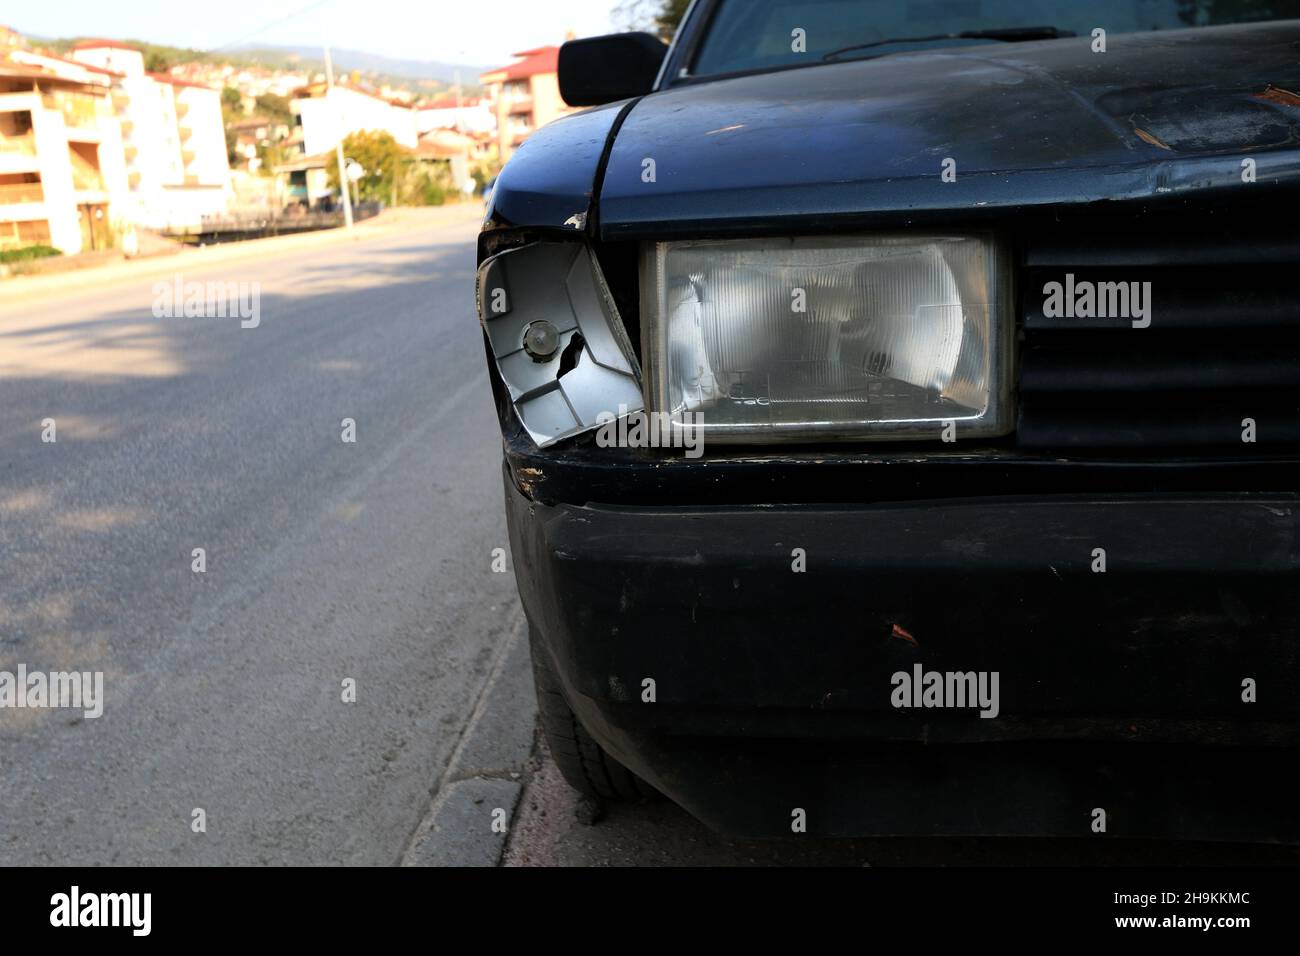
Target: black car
x=901, y=415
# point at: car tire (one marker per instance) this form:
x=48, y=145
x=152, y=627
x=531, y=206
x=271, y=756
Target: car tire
x=583, y=763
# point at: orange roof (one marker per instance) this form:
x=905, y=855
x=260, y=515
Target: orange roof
x=316, y=90
x=543, y=59
x=90, y=67
x=449, y=103
x=436, y=151
x=174, y=81
x=104, y=45
x=25, y=71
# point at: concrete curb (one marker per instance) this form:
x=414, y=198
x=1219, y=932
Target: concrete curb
x=469, y=820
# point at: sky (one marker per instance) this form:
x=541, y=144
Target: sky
x=477, y=32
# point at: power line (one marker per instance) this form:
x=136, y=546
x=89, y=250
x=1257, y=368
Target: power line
x=273, y=23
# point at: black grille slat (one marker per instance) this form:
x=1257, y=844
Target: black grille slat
x=1226, y=247
x=1223, y=345
x=1190, y=297
x=1160, y=364
x=1062, y=424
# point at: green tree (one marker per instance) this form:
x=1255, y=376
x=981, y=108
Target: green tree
x=657, y=16
x=380, y=156
x=670, y=16
x=275, y=108
x=232, y=99
x=157, y=61
x=232, y=144
x=424, y=184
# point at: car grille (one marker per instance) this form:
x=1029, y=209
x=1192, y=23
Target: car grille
x=1223, y=345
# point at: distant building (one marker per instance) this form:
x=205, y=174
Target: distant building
x=261, y=129
x=10, y=39
x=62, y=174
x=325, y=116
x=305, y=180
x=524, y=96
x=456, y=150
x=253, y=135
x=173, y=135
x=468, y=115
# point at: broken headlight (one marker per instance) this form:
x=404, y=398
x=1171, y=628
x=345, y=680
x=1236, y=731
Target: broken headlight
x=557, y=338
x=841, y=337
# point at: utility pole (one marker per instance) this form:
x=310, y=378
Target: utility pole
x=459, y=124
x=338, y=149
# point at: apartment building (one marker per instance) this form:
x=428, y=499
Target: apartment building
x=173, y=137
x=467, y=115
x=524, y=96
x=327, y=115
x=10, y=39
x=62, y=172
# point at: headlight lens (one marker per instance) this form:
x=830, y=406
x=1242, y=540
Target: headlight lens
x=808, y=338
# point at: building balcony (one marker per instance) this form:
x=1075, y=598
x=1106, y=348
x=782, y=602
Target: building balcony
x=130, y=152
x=127, y=129
x=87, y=182
x=186, y=134
x=11, y=193
x=120, y=100
x=22, y=145
x=187, y=156
x=181, y=110
x=18, y=154
x=80, y=110
x=519, y=104
x=133, y=179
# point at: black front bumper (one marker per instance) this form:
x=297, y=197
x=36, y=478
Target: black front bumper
x=1119, y=690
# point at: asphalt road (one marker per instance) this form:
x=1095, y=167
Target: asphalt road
x=325, y=560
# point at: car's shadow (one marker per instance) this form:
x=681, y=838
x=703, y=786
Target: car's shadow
x=552, y=828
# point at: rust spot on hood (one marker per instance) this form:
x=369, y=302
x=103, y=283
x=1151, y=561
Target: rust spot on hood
x=1275, y=94
x=903, y=635
x=1149, y=138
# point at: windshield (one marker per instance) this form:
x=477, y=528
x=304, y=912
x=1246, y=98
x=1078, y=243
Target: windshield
x=745, y=35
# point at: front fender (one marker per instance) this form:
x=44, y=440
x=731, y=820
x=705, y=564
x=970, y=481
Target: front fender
x=550, y=180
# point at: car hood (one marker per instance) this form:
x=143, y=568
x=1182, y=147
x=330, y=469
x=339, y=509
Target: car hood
x=1024, y=124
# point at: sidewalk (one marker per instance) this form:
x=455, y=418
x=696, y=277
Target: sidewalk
x=18, y=289
x=474, y=806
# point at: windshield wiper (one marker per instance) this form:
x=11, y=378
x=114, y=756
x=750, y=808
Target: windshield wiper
x=1006, y=35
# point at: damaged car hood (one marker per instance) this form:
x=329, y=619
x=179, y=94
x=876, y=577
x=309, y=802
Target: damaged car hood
x=1023, y=124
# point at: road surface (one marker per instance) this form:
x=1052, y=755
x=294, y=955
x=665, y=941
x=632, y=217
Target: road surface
x=326, y=561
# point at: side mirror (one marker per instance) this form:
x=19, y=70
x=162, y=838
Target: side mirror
x=604, y=69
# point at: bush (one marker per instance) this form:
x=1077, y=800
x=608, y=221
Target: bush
x=434, y=194
x=26, y=253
